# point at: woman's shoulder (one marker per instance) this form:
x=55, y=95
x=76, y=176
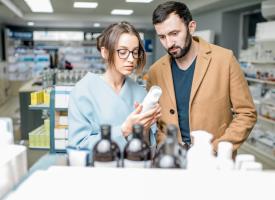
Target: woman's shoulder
x=135, y=86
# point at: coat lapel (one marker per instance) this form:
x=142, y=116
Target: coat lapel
x=202, y=63
x=168, y=79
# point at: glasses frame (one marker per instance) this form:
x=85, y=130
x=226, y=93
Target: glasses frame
x=140, y=53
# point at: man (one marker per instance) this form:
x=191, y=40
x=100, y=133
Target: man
x=203, y=85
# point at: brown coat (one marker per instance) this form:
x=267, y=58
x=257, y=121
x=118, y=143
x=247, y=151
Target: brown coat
x=220, y=100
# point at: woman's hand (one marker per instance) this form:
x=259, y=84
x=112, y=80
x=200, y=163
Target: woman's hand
x=145, y=119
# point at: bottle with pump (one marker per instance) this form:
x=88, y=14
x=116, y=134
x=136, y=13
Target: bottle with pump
x=200, y=155
x=171, y=154
x=151, y=98
x=106, y=153
x=137, y=153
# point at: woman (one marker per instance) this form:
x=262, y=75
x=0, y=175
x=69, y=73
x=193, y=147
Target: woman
x=112, y=98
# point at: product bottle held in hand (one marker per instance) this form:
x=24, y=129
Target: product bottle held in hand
x=171, y=154
x=106, y=153
x=137, y=153
x=151, y=98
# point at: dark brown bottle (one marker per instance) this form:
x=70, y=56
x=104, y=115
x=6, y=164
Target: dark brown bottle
x=171, y=154
x=137, y=153
x=106, y=153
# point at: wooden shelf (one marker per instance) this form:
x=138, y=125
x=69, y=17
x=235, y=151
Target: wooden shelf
x=266, y=119
x=260, y=81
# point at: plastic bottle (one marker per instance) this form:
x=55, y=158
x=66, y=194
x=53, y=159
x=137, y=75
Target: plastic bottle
x=224, y=159
x=151, y=98
x=243, y=158
x=200, y=155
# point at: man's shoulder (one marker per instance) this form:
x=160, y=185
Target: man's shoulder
x=220, y=51
x=163, y=61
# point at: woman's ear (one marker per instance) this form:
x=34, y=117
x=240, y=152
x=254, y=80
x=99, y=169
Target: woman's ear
x=104, y=53
x=192, y=27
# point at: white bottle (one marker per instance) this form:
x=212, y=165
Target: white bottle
x=243, y=158
x=251, y=166
x=224, y=159
x=151, y=98
x=200, y=155
x=6, y=131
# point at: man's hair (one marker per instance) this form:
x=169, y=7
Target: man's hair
x=109, y=39
x=163, y=10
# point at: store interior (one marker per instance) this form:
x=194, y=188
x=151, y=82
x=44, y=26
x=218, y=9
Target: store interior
x=55, y=48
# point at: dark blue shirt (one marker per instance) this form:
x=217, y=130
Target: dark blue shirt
x=182, y=80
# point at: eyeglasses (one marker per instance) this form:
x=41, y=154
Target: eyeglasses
x=124, y=53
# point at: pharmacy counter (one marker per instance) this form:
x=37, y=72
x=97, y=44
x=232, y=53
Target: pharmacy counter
x=61, y=182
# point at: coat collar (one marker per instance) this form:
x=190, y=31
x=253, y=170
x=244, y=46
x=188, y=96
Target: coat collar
x=202, y=63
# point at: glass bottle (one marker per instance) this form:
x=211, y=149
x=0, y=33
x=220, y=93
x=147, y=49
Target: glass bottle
x=137, y=153
x=106, y=153
x=170, y=154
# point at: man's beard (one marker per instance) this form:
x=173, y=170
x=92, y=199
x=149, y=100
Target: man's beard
x=184, y=50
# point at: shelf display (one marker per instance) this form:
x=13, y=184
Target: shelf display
x=258, y=64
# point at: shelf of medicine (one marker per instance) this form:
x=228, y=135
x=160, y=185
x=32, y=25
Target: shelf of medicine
x=260, y=81
x=259, y=154
x=266, y=119
x=260, y=62
x=39, y=107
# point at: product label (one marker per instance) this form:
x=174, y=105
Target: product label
x=105, y=164
x=137, y=164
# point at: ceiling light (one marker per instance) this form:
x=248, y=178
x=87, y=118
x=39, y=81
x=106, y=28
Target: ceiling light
x=139, y=1
x=121, y=12
x=40, y=5
x=85, y=4
x=30, y=23
x=96, y=24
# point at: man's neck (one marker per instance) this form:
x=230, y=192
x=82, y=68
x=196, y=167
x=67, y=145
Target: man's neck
x=186, y=61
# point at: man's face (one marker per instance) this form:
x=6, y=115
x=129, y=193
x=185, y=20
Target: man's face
x=174, y=35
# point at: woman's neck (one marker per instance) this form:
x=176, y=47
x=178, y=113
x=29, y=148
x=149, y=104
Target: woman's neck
x=114, y=79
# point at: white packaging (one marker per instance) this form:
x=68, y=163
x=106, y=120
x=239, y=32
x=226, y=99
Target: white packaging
x=13, y=166
x=200, y=155
x=243, y=158
x=224, y=159
x=151, y=98
x=6, y=131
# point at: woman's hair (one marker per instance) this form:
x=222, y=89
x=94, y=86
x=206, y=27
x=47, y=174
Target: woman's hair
x=109, y=39
x=163, y=10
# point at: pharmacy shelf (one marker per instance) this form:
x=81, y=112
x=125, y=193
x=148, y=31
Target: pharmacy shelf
x=39, y=107
x=260, y=155
x=267, y=62
x=260, y=81
x=61, y=109
x=266, y=119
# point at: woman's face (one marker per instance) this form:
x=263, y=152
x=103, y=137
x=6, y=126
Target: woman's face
x=126, y=54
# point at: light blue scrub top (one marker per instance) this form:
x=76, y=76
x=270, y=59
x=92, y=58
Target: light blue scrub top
x=93, y=102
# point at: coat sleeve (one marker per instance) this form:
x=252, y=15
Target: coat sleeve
x=243, y=108
x=83, y=130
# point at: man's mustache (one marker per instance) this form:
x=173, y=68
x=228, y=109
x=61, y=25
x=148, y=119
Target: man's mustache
x=172, y=47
